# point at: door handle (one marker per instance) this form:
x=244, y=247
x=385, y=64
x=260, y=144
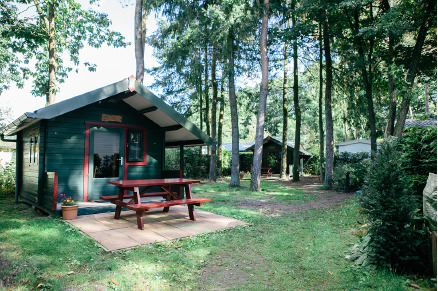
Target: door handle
x=121, y=161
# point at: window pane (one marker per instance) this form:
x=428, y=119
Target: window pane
x=135, y=145
x=106, y=154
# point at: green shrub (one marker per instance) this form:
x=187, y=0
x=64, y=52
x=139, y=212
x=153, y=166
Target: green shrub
x=419, y=157
x=311, y=167
x=7, y=179
x=354, y=163
x=357, y=172
x=246, y=161
x=388, y=203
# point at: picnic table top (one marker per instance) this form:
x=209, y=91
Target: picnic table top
x=153, y=182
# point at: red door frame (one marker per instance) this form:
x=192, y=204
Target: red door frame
x=89, y=124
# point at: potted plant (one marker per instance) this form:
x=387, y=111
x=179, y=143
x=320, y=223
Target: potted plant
x=69, y=208
x=242, y=174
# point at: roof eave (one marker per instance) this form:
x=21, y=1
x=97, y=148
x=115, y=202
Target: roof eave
x=25, y=120
x=163, y=106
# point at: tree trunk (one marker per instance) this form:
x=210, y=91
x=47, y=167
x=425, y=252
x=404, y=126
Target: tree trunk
x=201, y=106
x=140, y=31
x=213, y=163
x=412, y=72
x=258, y=147
x=329, y=161
x=426, y=99
x=220, y=125
x=50, y=99
x=235, y=179
x=207, y=101
x=296, y=169
x=389, y=130
x=283, y=173
x=320, y=121
x=367, y=76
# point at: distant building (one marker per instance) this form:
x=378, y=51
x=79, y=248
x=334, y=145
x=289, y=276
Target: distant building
x=272, y=152
x=354, y=146
x=420, y=123
x=7, y=152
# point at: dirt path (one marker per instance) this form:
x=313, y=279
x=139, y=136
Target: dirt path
x=322, y=199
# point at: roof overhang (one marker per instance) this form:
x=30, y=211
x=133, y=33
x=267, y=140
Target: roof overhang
x=178, y=130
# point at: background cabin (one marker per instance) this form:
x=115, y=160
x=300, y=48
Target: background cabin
x=76, y=146
x=272, y=154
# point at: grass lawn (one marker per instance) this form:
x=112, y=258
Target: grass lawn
x=282, y=249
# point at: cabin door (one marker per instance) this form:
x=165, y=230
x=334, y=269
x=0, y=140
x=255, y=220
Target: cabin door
x=105, y=161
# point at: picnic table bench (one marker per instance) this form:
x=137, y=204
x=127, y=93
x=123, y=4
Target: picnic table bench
x=136, y=205
x=266, y=171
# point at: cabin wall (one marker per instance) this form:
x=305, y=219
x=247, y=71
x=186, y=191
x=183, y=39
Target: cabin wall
x=28, y=183
x=66, y=145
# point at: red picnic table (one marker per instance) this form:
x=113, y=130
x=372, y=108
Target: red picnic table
x=172, y=198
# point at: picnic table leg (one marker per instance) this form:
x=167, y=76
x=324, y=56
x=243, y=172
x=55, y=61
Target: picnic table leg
x=188, y=188
x=140, y=219
x=191, y=212
x=119, y=208
x=136, y=193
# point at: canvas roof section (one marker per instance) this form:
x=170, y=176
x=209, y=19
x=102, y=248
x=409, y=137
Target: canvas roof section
x=178, y=130
x=242, y=146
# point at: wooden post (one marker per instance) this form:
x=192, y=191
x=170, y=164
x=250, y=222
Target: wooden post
x=181, y=165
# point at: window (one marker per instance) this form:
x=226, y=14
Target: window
x=30, y=150
x=135, y=145
x=35, y=150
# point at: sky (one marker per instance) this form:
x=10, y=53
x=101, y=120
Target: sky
x=113, y=64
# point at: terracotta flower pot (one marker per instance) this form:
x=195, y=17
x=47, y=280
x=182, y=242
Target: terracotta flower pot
x=69, y=212
x=242, y=176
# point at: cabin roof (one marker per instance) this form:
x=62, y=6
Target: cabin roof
x=356, y=141
x=178, y=130
x=278, y=141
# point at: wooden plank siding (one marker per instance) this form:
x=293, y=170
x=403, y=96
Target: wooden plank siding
x=29, y=175
x=66, y=145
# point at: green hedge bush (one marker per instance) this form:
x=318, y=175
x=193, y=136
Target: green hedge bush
x=419, y=158
x=356, y=164
x=7, y=179
x=389, y=205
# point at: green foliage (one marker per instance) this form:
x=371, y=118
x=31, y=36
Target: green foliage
x=271, y=160
x=356, y=164
x=7, y=179
x=312, y=165
x=25, y=38
x=390, y=207
x=246, y=160
x=419, y=157
x=196, y=165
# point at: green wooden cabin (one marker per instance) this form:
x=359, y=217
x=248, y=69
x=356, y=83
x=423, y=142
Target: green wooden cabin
x=76, y=146
x=272, y=154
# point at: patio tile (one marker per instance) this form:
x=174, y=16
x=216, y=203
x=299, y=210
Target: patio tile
x=113, y=244
x=116, y=223
x=142, y=236
x=160, y=226
x=172, y=232
x=89, y=225
x=193, y=228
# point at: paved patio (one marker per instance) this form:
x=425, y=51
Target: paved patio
x=114, y=234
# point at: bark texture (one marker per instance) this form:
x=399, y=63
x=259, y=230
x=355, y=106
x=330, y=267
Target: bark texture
x=258, y=147
x=235, y=180
x=140, y=36
x=213, y=159
x=328, y=107
x=296, y=169
x=320, y=120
